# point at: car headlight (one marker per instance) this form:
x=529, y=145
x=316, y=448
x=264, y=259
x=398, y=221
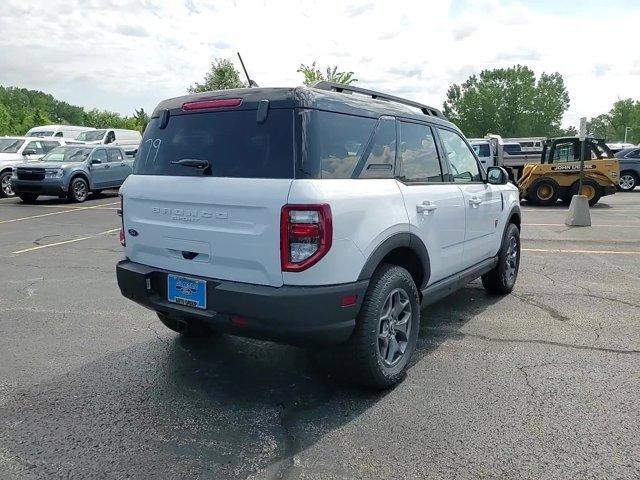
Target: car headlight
x=53, y=173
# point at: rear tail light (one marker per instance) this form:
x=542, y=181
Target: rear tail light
x=305, y=235
x=120, y=213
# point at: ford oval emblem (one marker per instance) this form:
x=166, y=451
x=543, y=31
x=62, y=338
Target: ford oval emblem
x=132, y=232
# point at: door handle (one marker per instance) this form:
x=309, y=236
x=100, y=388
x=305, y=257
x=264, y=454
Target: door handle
x=475, y=201
x=426, y=207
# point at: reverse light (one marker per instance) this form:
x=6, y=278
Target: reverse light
x=120, y=212
x=206, y=104
x=306, y=233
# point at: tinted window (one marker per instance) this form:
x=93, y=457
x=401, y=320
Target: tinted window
x=420, y=162
x=380, y=155
x=634, y=154
x=482, y=149
x=463, y=163
x=10, y=145
x=100, y=154
x=333, y=143
x=58, y=134
x=565, y=152
x=37, y=146
x=233, y=142
x=114, y=155
x=48, y=146
x=511, y=149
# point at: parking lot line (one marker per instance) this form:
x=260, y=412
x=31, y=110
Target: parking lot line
x=70, y=207
x=40, y=247
x=564, y=225
x=67, y=210
x=598, y=252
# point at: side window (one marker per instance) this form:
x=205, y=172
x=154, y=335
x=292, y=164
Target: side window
x=47, y=146
x=419, y=155
x=464, y=166
x=338, y=141
x=59, y=134
x=100, y=154
x=114, y=155
x=380, y=157
x=634, y=154
x=37, y=146
x=110, y=138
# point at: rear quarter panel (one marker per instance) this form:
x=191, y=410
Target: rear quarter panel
x=365, y=212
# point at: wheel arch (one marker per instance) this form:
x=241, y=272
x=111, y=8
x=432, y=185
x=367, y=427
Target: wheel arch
x=405, y=250
x=82, y=174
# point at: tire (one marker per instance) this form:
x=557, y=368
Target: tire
x=590, y=188
x=384, y=339
x=628, y=181
x=28, y=197
x=5, y=185
x=187, y=328
x=78, y=190
x=502, y=278
x=544, y=192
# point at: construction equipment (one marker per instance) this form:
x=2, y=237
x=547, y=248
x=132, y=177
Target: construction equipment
x=557, y=177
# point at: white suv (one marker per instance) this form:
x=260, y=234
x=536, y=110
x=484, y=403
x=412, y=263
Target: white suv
x=311, y=215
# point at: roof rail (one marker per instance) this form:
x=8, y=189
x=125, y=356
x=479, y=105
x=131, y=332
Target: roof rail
x=340, y=87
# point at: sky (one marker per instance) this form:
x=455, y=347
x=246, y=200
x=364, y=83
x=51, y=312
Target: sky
x=124, y=54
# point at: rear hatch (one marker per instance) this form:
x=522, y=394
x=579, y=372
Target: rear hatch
x=207, y=190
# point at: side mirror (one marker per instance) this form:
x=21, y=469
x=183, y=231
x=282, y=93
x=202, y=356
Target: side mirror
x=28, y=151
x=497, y=176
x=95, y=161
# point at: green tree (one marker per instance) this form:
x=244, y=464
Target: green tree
x=5, y=121
x=509, y=102
x=313, y=74
x=141, y=118
x=222, y=75
x=612, y=125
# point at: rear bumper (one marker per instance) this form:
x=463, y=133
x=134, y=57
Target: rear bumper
x=296, y=315
x=41, y=187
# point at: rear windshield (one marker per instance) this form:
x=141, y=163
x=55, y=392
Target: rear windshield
x=481, y=149
x=10, y=145
x=232, y=142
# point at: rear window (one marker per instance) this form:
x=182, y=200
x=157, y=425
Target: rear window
x=481, y=149
x=233, y=142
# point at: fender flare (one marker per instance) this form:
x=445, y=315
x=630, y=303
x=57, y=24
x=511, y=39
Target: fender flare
x=80, y=173
x=515, y=210
x=398, y=240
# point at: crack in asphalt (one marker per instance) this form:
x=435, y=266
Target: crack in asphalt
x=523, y=371
x=534, y=341
x=529, y=298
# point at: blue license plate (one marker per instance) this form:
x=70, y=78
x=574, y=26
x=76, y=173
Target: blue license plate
x=187, y=291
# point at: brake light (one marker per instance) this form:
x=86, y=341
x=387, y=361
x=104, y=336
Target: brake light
x=120, y=212
x=306, y=232
x=206, y=104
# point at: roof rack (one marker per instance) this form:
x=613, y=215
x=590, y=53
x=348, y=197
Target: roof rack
x=340, y=87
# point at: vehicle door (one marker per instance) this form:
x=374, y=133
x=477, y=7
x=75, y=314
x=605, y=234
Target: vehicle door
x=435, y=208
x=100, y=168
x=482, y=201
x=120, y=169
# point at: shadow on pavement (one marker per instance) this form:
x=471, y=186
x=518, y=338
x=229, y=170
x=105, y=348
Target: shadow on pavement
x=173, y=408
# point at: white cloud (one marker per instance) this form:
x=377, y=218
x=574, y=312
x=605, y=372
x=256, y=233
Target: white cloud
x=123, y=54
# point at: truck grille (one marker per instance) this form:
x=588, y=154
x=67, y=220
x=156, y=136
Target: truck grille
x=30, y=173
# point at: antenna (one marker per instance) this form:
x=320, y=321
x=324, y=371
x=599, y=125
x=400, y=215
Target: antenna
x=251, y=82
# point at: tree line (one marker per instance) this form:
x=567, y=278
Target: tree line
x=22, y=109
x=511, y=102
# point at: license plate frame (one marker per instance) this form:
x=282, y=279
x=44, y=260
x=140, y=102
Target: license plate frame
x=187, y=291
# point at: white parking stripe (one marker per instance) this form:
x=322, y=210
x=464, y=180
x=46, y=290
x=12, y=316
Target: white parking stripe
x=597, y=252
x=564, y=225
x=93, y=207
x=40, y=247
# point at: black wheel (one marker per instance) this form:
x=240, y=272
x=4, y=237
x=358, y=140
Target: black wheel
x=5, y=185
x=28, y=197
x=187, y=328
x=386, y=329
x=590, y=189
x=78, y=190
x=544, y=191
x=503, y=276
x=628, y=181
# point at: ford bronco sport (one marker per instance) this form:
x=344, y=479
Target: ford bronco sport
x=311, y=215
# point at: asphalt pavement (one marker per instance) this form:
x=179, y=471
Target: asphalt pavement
x=542, y=383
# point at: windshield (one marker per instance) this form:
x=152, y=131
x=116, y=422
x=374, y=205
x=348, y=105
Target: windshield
x=40, y=134
x=10, y=145
x=231, y=143
x=67, y=154
x=91, y=135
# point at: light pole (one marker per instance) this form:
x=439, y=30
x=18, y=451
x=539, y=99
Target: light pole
x=626, y=129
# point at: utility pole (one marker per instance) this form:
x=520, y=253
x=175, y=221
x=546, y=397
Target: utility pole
x=583, y=141
x=626, y=129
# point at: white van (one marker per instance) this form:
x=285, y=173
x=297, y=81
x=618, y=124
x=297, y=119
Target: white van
x=57, y=131
x=129, y=140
